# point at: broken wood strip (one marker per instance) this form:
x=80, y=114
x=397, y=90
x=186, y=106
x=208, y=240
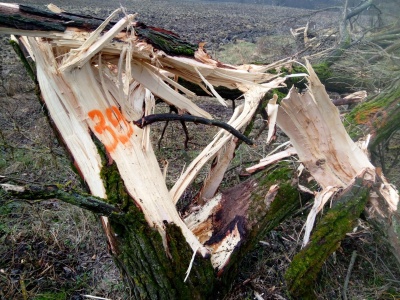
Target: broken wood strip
x=316, y=131
x=270, y=159
x=216, y=174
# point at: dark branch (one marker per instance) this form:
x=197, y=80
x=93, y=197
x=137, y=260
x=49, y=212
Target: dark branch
x=188, y=118
x=344, y=101
x=35, y=191
x=24, y=17
x=359, y=9
x=185, y=130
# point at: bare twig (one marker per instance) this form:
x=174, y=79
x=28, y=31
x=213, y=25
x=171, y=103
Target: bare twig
x=147, y=120
x=185, y=130
x=346, y=281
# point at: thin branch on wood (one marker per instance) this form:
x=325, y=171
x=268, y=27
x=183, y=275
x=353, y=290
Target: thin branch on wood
x=346, y=282
x=162, y=135
x=150, y=119
x=187, y=138
x=35, y=191
x=185, y=130
x=356, y=97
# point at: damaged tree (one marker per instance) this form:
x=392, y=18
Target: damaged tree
x=98, y=80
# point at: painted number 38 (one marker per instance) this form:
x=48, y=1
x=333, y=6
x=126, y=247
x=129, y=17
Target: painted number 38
x=114, y=125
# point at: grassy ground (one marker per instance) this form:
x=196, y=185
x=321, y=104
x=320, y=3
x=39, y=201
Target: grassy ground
x=50, y=250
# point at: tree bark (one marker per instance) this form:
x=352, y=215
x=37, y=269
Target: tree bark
x=255, y=207
x=330, y=231
x=380, y=116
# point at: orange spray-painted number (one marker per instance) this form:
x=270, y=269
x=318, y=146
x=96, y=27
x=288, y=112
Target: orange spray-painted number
x=119, y=131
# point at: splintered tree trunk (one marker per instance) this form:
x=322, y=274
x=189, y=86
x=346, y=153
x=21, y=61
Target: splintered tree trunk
x=153, y=274
x=98, y=80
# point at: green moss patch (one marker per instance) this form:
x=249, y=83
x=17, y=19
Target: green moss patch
x=331, y=230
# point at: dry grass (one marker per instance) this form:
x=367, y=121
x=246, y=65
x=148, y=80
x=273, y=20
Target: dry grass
x=50, y=249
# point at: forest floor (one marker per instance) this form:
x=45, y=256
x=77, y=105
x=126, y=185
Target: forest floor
x=51, y=250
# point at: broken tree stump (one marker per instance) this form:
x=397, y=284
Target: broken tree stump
x=99, y=79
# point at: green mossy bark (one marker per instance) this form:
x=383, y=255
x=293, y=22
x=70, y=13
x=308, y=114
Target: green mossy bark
x=380, y=115
x=152, y=274
x=148, y=269
x=339, y=220
x=286, y=201
x=85, y=201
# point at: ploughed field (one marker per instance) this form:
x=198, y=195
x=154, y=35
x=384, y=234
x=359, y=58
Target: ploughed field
x=197, y=21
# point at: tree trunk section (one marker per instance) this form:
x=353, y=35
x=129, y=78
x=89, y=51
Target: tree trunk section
x=88, y=103
x=330, y=231
x=91, y=105
x=381, y=117
x=154, y=274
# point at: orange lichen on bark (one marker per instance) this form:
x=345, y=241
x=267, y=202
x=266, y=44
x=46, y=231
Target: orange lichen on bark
x=364, y=117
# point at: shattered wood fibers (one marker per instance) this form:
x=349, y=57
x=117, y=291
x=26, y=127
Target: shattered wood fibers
x=96, y=83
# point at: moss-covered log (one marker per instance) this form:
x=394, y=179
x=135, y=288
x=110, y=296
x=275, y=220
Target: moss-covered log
x=149, y=270
x=379, y=116
x=85, y=201
x=154, y=274
x=328, y=234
